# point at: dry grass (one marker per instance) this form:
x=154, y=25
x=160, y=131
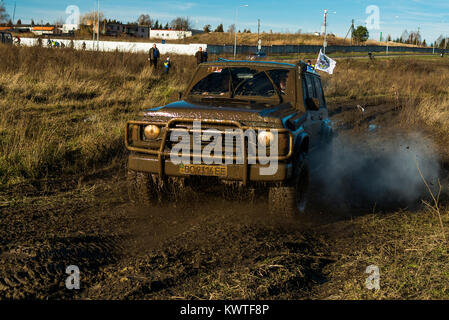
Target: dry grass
x=406, y=247
x=415, y=87
x=63, y=112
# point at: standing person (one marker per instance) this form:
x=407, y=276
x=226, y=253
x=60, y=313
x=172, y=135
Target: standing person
x=84, y=46
x=205, y=55
x=310, y=66
x=199, y=56
x=154, y=56
x=167, y=65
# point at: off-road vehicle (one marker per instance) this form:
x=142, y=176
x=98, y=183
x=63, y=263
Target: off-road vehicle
x=280, y=104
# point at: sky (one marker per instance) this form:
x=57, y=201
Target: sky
x=431, y=17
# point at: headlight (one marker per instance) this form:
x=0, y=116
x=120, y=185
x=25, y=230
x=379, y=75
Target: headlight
x=265, y=138
x=151, y=132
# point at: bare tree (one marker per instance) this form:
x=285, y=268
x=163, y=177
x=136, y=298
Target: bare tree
x=404, y=36
x=181, y=24
x=207, y=28
x=231, y=28
x=4, y=16
x=414, y=38
x=89, y=17
x=145, y=20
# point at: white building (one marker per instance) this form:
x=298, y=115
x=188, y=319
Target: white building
x=67, y=28
x=169, y=34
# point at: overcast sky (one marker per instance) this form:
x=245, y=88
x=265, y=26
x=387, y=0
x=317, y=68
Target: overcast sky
x=432, y=17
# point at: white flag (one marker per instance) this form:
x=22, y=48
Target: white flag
x=326, y=64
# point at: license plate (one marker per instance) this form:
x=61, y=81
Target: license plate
x=204, y=170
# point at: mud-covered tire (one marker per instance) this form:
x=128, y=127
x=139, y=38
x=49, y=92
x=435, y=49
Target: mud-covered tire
x=291, y=200
x=140, y=188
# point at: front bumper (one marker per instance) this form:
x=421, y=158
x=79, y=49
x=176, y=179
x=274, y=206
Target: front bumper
x=151, y=164
x=157, y=161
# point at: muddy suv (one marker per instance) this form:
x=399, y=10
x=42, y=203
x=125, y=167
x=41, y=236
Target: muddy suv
x=246, y=125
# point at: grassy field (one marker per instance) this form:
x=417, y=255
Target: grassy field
x=63, y=111
x=62, y=116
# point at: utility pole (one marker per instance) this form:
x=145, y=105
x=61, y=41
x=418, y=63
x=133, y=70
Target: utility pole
x=93, y=29
x=14, y=13
x=325, y=31
x=351, y=30
x=259, y=42
x=98, y=30
x=388, y=42
x=235, y=30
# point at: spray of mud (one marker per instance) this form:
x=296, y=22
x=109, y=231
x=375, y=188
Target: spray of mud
x=381, y=173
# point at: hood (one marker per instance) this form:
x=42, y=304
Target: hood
x=245, y=114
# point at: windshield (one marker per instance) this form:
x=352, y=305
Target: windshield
x=242, y=82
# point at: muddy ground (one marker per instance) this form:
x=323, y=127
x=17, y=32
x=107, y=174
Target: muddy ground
x=206, y=248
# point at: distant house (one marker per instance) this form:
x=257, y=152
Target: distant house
x=169, y=34
x=69, y=28
x=137, y=31
x=114, y=29
x=40, y=31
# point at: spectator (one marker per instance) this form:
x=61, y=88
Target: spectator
x=154, y=56
x=84, y=46
x=205, y=55
x=310, y=66
x=167, y=65
x=199, y=56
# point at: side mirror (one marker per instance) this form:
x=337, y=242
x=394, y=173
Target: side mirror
x=313, y=104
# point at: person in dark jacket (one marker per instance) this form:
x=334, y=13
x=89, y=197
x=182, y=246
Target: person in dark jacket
x=154, y=56
x=199, y=56
x=205, y=55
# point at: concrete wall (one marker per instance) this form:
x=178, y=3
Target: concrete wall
x=185, y=49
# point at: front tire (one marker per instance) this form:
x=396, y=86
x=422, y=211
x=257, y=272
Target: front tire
x=141, y=188
x=291, y=200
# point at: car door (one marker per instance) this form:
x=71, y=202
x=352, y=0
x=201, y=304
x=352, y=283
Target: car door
x=314, y=114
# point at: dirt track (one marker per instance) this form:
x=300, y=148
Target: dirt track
x=207, y=249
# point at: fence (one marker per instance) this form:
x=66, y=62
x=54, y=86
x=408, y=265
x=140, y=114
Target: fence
x=289, y=49
x=191, y=49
